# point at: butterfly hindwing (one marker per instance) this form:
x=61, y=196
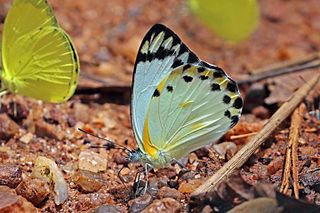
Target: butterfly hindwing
x=191, y=107
x=39, y=58
x=160, y=52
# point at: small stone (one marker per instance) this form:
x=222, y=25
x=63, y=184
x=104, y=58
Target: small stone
x=85, y=202
x=223, y=148
x=107, y=208
x=34, y=190
x=8, y=127
x=26, y=138
x=140, y=203
x=91, y=161
x=47, y=170
x=10, y=175
x=81, y=112
x=263, y=205
x=43, y=129
x=190, y=186
x=165, y=205
x=88, y=181
x=311, y=180
x=10, y=202
x=169, y=192
x=275, y=165
x=207, y=209
x=170, y=172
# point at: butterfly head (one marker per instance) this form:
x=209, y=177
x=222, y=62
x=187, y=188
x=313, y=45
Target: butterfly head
x=134, y=155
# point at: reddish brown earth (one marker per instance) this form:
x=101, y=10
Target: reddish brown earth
x=107, y=35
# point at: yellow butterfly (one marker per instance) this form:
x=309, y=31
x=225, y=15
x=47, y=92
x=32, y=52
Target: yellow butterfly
x=38, y=57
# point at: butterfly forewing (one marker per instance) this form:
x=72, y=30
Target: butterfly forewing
x=191, y=107
x=23, y=17
x=160, y=52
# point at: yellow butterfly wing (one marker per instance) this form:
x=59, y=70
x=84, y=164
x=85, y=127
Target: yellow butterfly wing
x=39, y=59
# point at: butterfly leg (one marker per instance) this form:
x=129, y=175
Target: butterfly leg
x=146, y=169
x=136, y=184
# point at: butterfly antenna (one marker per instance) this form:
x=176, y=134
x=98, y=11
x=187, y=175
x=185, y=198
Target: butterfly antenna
x=104, y=139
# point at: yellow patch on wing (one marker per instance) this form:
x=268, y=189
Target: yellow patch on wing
x=185, y=104
x=149, y=147
x=197, y=126
x=162, y=84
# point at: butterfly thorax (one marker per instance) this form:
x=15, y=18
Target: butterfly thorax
x=8, y=82
x=158, y=160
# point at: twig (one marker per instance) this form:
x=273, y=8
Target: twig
x=234, y=137
x=295, y=142
x=305, y=63
x=292, y=155
x=243, y=154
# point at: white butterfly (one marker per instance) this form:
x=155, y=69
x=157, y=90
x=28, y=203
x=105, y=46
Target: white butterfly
x=179, y=103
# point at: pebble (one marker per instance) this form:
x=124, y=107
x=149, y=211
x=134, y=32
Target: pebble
x=81, y=112
x=312, y=180
x=207, y=209
x=10, y=202
x=10, y=175
x=34, y=190
x=88, y=181
x=106, y=208
x=165, y=205
x=140, y=203
x=8, y=127
x=47, y=170
x=263, y=205
x=170, y=192
x=92, y=161
x=43, y=129
x=190, y=186
x=170, y=172
x=26, y=138
x=223, y=148
x=92, y=200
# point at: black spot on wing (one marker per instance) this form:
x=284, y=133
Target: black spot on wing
x=177, y=63
x=185, y=67
x=187, y=78
x=217, y=74
x=232, y=86
x=234, y=120
x=227, y=113
x=238, y=103
x=215, y=87
x=201, y=69
x=203, y=77
x=226, y=99
x=169, y=88
x=156, y=93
